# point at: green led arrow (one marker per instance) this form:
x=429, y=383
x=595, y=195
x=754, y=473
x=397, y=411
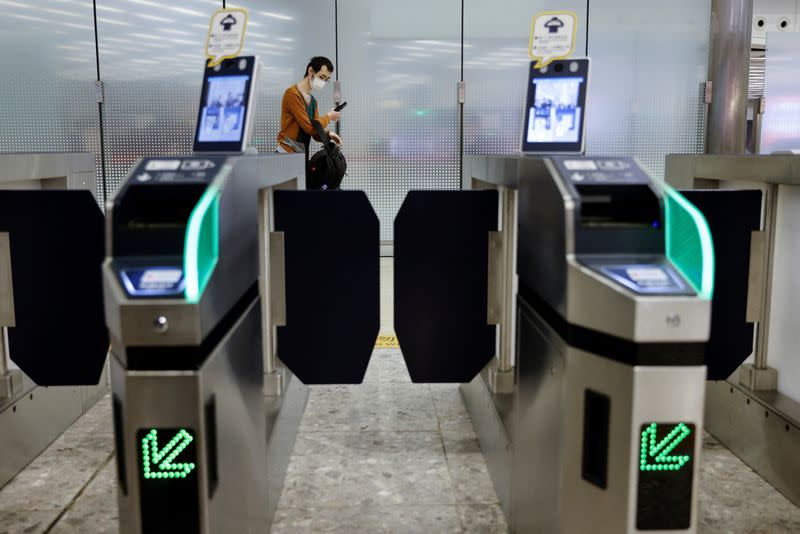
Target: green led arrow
x=158, y=463
x=655, y=456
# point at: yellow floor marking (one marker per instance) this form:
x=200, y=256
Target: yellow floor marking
x=387, y=341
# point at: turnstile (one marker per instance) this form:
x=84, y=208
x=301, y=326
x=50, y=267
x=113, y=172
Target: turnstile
x=184, y=314
x=53, y=338
x=615, y=278
x=603, y=429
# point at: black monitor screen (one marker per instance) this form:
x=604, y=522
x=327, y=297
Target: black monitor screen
x=226, y=97
x=556, y=107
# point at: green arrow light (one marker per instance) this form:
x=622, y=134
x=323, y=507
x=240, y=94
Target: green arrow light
x=160, y=463
x=655, y=455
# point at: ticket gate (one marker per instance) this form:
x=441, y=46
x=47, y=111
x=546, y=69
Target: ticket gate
x=600, y=430
x=53, y=339
x=615, y=281
x=181, y=282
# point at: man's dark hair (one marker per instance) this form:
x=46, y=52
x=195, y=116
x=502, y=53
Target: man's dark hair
x=317, y=63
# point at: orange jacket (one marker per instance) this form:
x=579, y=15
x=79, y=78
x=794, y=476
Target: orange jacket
x=295, y=124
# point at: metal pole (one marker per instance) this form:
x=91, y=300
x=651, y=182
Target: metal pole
x=729, y=72
x=3, y=351
x=501, y=377
x=770, y=228
x=506, y=359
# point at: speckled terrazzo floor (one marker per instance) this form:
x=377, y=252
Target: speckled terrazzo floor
x=384, y=456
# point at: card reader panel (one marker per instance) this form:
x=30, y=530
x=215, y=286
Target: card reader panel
x=642, y=276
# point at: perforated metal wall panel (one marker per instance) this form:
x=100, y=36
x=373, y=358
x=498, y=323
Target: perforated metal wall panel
x=400, y=67
x=47, y=90
x=280, y=33
x=781, y=127
x=647, y=69
x=151, y=102
x=644, y=90
x=495, y=69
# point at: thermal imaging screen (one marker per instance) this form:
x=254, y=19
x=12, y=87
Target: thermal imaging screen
x=556, y=112
x=223, y=114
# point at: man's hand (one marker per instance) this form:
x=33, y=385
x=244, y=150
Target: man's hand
x=333, y=115
x=333, y=136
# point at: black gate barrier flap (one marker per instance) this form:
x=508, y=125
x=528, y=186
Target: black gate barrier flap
x=57, y=247
x=332, y=284
x=732, y=216
x=441, y=264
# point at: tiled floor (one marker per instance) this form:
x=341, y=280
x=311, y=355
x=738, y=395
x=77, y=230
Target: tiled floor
x=384, y=456
x=387, y=456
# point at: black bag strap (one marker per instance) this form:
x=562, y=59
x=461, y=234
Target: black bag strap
x=311, y=108
x=321, y=132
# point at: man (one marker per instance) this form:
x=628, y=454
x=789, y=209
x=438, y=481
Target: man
x=299, y=106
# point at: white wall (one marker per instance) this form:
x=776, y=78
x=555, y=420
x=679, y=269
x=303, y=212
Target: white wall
x=784, y=332
x=770, y=14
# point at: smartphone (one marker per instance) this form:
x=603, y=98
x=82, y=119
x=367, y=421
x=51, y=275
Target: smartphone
x=340, y=107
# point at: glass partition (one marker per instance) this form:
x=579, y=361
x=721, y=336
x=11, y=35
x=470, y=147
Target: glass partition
x=151, y=102
x=496, y=69
x=648, y=64
x=780, y=128
x=151, y=62
x=47, y=91
x=400, y=65
x=285, y=34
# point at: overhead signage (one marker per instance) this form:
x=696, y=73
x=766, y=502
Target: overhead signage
x=225, y=35
x=552, y=36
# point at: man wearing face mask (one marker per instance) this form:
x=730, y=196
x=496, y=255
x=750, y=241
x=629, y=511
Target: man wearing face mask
x=299, y=107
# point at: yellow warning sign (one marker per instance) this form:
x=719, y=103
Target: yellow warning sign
x=387, y=341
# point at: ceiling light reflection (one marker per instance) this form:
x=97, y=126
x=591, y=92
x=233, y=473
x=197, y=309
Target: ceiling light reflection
x=274, y=15
x=103, y=7
x=171, y=8
x=112, y=21
x=59, y=12
x=15, y=4
x=73, y=25
x=442, y=43
x=26, y=17
x=154, y=17
x=262, y=44
x=176, y=32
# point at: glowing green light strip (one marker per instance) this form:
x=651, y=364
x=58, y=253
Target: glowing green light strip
x=191, y=267
x=706, y=289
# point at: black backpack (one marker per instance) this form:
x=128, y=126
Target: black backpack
x=326, y=169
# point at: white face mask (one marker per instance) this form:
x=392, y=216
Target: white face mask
x=317, y=84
